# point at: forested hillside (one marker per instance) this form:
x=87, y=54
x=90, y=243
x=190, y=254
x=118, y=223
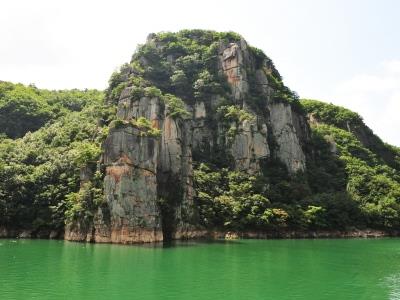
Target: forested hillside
x=368, y=167
x=196, y=133
x=46, y=137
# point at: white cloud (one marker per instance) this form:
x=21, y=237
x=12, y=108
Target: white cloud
x=392, y=66
x=77, y=44
x=376, y=97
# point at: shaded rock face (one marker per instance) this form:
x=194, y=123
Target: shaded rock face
x=288, y=128
x=148, y=182
x=130, y=187
x=233, y=59
x=249, y=147
x=142, y=174
x=285, y=127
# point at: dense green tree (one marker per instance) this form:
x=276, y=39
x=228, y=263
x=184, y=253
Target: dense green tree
x=40, y=170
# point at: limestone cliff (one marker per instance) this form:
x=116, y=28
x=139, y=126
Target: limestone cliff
x=232, y=109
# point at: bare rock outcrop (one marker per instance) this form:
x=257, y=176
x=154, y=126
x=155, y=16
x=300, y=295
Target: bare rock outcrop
x=148, y=183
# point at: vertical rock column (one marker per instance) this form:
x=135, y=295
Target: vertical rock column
x=249, y=145
x=148, y=183
x=131, y=213
x=288, y=127
x=130, y=186
x=175, y=179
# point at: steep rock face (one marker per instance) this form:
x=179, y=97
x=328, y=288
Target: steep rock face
x=285, y=126
x=288, y=127
x=130, y=187
x=142, y=172
x=249, y=147
x=250, y=143
x=148, y=184
x=233, y=59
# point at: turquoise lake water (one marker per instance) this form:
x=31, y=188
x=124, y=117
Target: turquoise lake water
x=243, y=269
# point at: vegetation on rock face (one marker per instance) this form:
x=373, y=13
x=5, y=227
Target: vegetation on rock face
x=176, y=107
x=347, y=183
x=342, y=163
x=146, y=127
x=331, y=114
x=182, y=64
x=231, y=117
x=47, y=138
x=350, y=121
x=233, y=113
x=142, y=124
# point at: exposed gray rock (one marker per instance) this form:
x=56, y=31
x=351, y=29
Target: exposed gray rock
x=148, y=182
x=232, y=64
x=289, y=149
x=26, y=234
x=199, y=110
x=249, y=146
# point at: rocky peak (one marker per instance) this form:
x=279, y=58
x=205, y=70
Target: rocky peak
x=186, y=98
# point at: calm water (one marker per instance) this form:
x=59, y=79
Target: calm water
x=251, y=269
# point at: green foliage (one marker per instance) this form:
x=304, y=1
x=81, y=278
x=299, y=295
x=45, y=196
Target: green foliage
x=346, y=185
x=118, y=123
x=137, y=92
x=325, y=171
x=180, y=81
x=233, y=113
x=259, y=56
x=282, y=93
x=85, y=152
x=335, y=210
x=315, y=216
x=206, y=85
x=198, y=36
x=350, y=121
x=137, y=68
x=232, y=116
x=79, y=205
x=184, y=63
x=115, y=86
x=146, y=127
x=281, y=187
x=38, y=170
x=372, y=188
x=346, y=143
x=26, y=108
x=229, y=199
x=48, y=137
x=22, y=109
x=156, y=69
x=275, y=216
x=116, y=92
x=331, y=114
x=175, y=106
x=152, y=91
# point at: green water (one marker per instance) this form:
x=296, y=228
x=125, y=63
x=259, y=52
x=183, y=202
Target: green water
x=250, y=269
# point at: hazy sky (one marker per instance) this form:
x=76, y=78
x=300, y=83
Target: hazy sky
x=342, y=51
